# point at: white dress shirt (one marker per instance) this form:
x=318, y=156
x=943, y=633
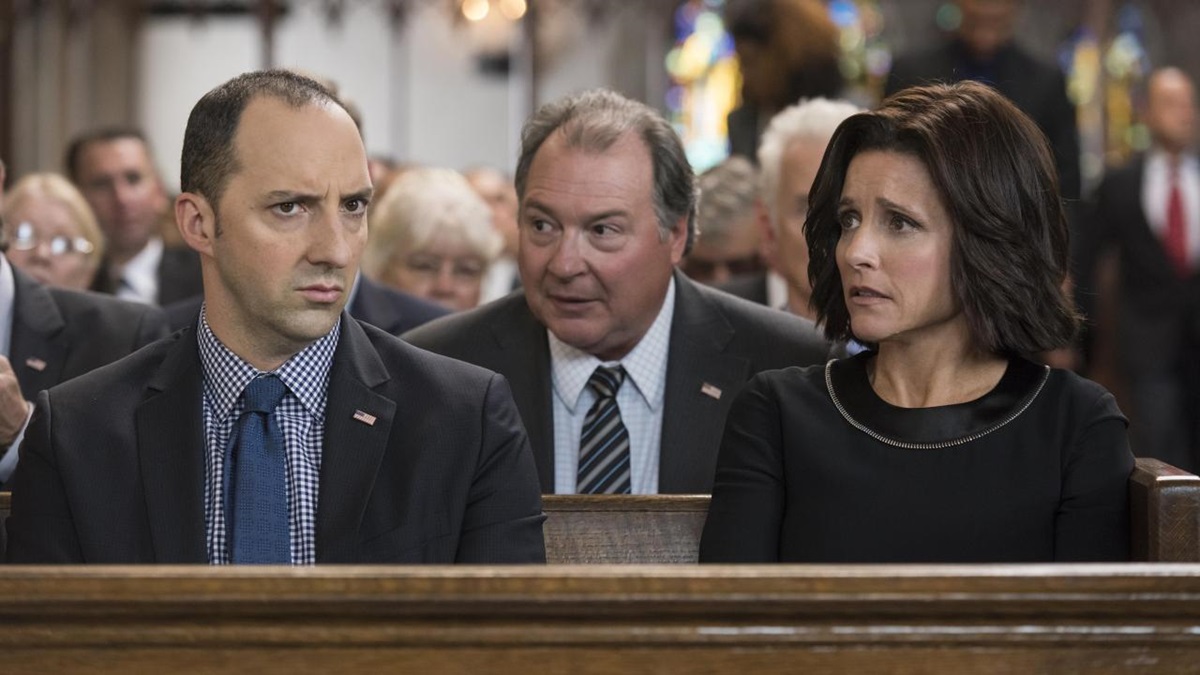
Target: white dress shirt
x=499, y=280
x=640, y=400
x=777, y=291
x=139, y=276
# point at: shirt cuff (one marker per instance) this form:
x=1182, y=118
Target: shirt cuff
x=8, y=463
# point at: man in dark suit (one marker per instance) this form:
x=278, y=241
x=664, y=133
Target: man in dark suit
x=1149, y=211
x=983, y=49
x=51, y=335
x=280, y=430
x=608, y=342
x=385, y=308
x=115, y=173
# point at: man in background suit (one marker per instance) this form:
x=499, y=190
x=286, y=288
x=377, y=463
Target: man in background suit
x=606, y=331
x=113, y=170
x=280, y=430
x=49, y=335
x=1149, y=211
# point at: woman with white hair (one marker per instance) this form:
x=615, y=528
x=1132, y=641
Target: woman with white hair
x=432, y=236
x=52, y=232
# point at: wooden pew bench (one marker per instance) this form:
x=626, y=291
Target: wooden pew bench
x=1164, y=513
x=1127, y=618
x=1164, y=506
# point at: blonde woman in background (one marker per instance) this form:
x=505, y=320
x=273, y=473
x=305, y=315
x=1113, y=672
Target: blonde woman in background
x=432, y=236
x=52, y=232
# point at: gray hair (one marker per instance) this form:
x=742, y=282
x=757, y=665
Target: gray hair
x=594, y=121
x=421, y=205
x=727, y=194
x=811, y=119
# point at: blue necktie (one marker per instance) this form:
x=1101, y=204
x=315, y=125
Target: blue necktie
x=604, y=442
x=257, y=517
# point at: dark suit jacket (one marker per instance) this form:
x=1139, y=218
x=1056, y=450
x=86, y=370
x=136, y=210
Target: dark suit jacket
x=752, y=287
x=178, y=276
x=390, y=310
x=59, y=334
x=112, y=468
x=1037, y=88
x=716, y=339
x=387, y=309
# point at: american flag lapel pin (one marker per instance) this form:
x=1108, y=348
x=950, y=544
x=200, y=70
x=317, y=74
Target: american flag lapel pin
x=711, y=390
x=35, y=363
x=364, y=417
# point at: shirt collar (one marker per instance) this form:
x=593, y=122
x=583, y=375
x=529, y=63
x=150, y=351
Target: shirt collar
x=777, y=291
x=141, y=272
x=226, y=374
x=645, y=365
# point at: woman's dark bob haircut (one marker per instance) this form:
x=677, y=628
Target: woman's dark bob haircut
x=994, y=172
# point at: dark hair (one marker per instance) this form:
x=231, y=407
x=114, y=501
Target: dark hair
x=993, y=169
x=803, y=42
x=105, y=135
x=208, y=154
x=596, y=119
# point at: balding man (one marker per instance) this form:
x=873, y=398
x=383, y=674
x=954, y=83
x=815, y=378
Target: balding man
x=623, y=368
x=277, y=430
x=1149, y=210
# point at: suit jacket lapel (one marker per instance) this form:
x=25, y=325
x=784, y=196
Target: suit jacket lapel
x=526, y=354
x=170, y=446
x=354, y=444
x=697, y=368
x=37, y=352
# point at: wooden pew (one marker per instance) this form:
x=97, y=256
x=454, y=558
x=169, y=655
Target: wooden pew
x=1129, y=618
x=1164, y=515
x=583, y=529
x=1164, y=512
x=1164, y=505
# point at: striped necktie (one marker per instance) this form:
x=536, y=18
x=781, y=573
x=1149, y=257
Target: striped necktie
x=604, y=443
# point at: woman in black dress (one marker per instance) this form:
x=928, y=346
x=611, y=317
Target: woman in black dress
x=937, y=238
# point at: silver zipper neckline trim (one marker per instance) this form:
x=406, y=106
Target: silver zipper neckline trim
x=940, y=444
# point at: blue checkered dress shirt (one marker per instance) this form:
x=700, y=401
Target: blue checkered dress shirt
x=301, y=418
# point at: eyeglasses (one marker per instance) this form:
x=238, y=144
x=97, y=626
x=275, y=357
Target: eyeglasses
x=462, y=269
x=703, y=270
x=25, y=239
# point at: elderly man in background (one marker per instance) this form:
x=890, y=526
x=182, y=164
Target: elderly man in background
x=623, y=368
x=114, y=171
x=726, y=245
x=788, y=158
